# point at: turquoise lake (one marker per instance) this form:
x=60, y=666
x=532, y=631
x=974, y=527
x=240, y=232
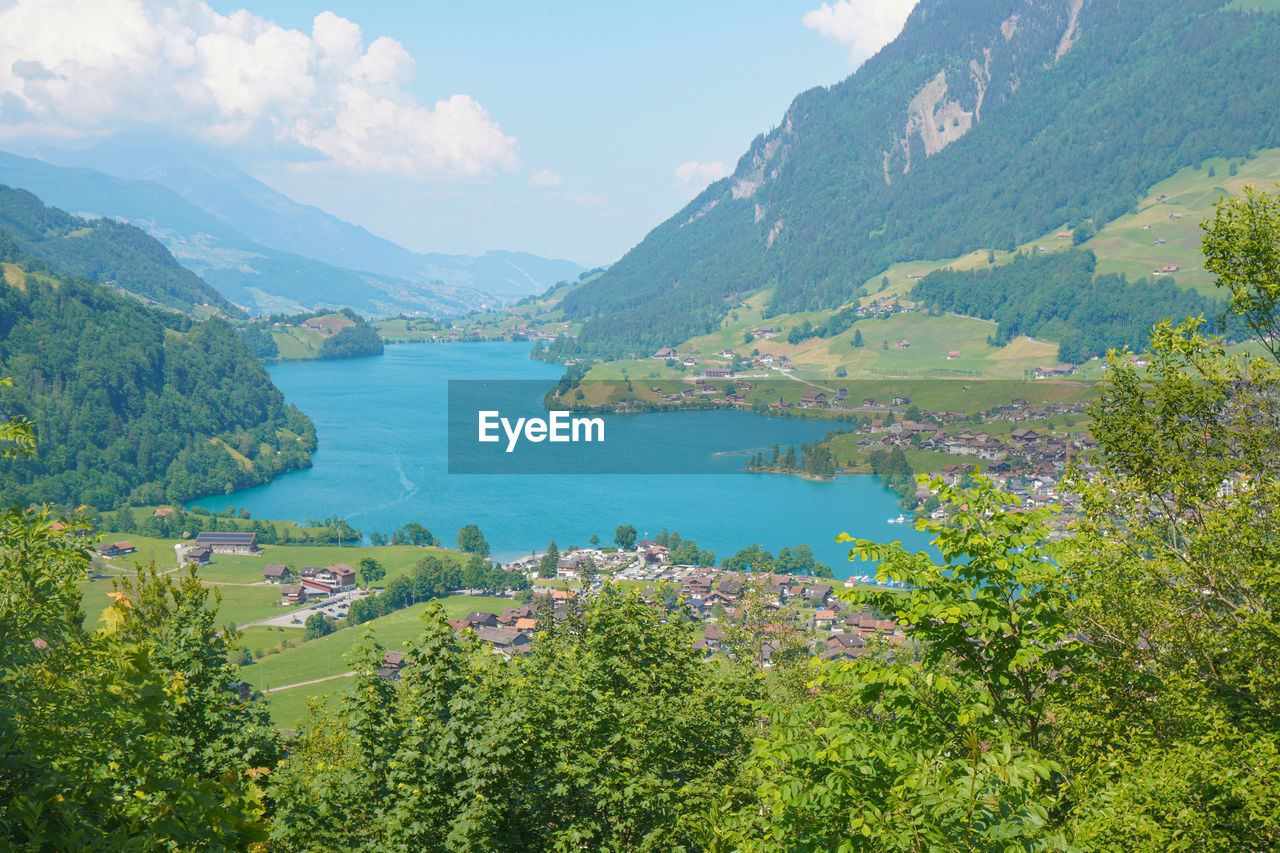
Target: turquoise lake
x=382, y=461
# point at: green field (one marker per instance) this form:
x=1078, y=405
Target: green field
x=288, y=708
x=1127, y=245
x=297, y=344
x=326, y=656
x=238, y=578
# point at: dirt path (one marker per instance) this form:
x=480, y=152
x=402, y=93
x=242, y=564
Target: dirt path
x=305, y=683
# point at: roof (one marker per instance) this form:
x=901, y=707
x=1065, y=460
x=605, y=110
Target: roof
x=227, y=539
x=291, y=589
x=499, y=636
x=275, y=570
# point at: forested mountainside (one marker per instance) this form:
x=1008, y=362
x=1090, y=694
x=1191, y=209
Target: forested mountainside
x=1059, y=296
x=132, y=403
x=105, y=251
x=985, y=124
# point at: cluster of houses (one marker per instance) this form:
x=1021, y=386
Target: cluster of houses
x=312, y=581
x=702, y=388
x=1026, y=463
x=713, y=598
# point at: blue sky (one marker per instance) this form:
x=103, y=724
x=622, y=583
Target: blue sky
x=564, y=129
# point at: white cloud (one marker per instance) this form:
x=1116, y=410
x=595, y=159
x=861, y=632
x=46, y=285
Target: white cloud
x=89, y=68
x=695, y=176
x=862, y=26
x=545, y=178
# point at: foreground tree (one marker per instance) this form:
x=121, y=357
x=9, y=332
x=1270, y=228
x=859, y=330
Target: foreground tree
x=888, y=753
x=611, y=735
x=125, y=737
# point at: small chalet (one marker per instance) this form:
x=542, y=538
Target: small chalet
x=116, y=549
x=293, y=594
x=481, y=619
x=665, y=353
x=195, y=556
x=512, y=615
x=813, y=398
x=504, y=639
x=275, y=573
x=819, y=594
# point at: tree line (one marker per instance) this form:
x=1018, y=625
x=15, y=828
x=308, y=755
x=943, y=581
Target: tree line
x=135, y=405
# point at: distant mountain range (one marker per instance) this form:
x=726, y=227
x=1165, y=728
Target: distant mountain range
x=985, y=124
x=101, y=250
x=263, y=250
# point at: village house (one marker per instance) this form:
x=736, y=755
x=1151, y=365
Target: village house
x=275, y=573
x=813, y=398
x=482, y=619
x=192, y=556
x=718, y=372
x=293, y=595
x=116, y=549
x=511, y=615
x=665, y=353
x=230, y=543
x=504, y=639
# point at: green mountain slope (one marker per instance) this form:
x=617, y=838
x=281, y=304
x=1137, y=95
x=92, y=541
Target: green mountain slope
x=105, y=251
x=983, y=125
x=131, y=403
